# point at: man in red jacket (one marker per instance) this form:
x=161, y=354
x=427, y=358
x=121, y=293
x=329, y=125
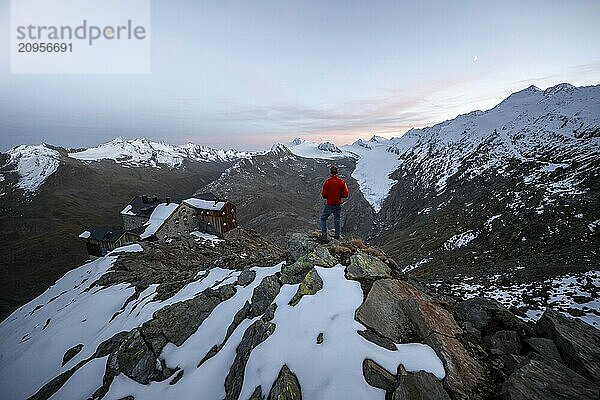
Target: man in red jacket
x=334, y=190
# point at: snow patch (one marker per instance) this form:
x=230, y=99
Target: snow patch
x=459, y=240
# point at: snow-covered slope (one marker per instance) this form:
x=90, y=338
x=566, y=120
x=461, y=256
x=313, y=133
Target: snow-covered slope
x=76, y=328
x=34, y=164
x=551, y=127
x=142, y=152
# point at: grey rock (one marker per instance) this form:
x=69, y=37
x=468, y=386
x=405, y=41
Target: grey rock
x=310, y=285
x=286, y=386
x=264, y=294
x=256, y=333
x=320, y=338
x=489, y=316
x=365, y=266
x=377, y=376
x=246, y=277
x=382, y=312
x=545, y=347
x=503, y=342
x=299, y=244
x=72, y=352
x=419, y=386
x=577, y=342
x=541, y=378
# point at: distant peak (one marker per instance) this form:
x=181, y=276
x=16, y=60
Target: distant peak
x=297, y=141
x=278, y=148
x=559, y=88
x=377, y=139
x=328, y=146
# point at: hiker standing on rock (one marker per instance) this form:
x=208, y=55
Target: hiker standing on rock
x=334, y=190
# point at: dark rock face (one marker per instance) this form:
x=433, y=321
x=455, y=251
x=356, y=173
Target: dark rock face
x=286, y=386
x=419, y=386
x=246, y=277
x=377, y=376
x=540, y=378
x=577, y=342
x=264, y=294
x=256, y=333
x=72, y=352
x=544, y=347
x=489, y=316
x=504, y=342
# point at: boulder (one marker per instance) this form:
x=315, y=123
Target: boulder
x=286, y=386
x=295, y=273
x=503, y=342
x=419, y=386
x=545, y=347
x=377, y=376
x=365, y=266
x=299, y=244
x=489, y=316
x=577, y=342
x=541, y=378
x=402, y=313
x=311, y=284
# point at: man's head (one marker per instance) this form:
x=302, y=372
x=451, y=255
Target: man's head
x=333, y=169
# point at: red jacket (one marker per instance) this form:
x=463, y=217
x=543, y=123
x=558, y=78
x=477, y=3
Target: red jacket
x=334, y=189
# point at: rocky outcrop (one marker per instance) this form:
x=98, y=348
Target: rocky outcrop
x=541, y=378
x=286, y=386
x=503, y=342
x=365, y=266
x=577, y=342
x=295, y=272
x=400, y=312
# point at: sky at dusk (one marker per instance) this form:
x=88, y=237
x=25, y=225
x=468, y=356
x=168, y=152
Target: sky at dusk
x=246, y=74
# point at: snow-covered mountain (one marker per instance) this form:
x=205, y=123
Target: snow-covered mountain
x=35, y=164
x=142, y=152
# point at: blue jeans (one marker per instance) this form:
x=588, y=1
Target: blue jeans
x=327, y=211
